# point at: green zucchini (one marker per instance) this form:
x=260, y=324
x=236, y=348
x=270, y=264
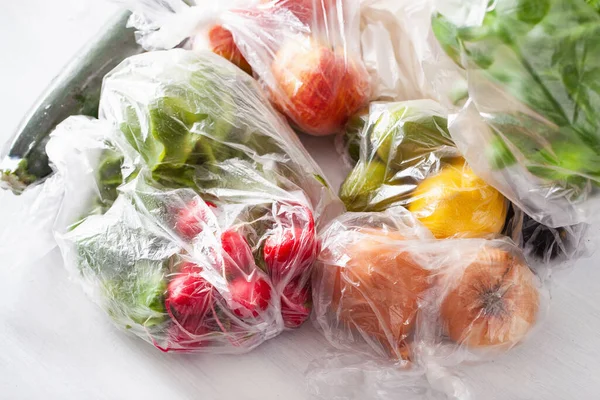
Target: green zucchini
x=23, y=161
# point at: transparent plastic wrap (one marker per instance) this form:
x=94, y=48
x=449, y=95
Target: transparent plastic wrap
x=393, y=47
x=402, y=154
x=166, y=24
x=406, y=157
x=306, y=53
x=530, y=126
x=413, y=306
x=190, y=210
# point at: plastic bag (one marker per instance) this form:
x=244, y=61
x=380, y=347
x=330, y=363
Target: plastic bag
x=402, y=154
x=529, y=126
x=305, y=52
x=390, y=52
x=190, y=210
x=406, y=157
x=386, y=289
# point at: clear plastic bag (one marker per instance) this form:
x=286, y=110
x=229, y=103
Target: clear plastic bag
x=305, y=52
x=406, y=157
x=384, y=288
x=529, y=126
x=393, y=47
x=190, y=210
x=166, y=24
x=402, y=154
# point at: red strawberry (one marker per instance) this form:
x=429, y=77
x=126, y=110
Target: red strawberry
x=252, y=296
x=189, y=294
x=237, y=255
x=292, y=246
x=191, y=219
x=295, y=304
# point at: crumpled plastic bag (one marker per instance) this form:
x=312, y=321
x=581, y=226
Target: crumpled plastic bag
x=412, y=306
x=402, y=154
x=306, y=53
x=190, y=209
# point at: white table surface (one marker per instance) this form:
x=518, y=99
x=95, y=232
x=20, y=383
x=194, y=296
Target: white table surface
x=55, y=344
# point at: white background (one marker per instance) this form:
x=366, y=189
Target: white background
x=55, y=344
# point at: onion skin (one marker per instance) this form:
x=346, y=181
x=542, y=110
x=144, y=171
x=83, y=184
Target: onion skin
x=494, y=303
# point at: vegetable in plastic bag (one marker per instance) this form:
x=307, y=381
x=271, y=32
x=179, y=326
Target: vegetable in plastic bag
x=305, y=52
x=209, y=242
x=530, y=127
x=403, y=155
x=407, y=158
x=412, y=305
x=546, y=246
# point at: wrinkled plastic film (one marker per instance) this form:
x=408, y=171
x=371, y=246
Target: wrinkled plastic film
x=402, y=154
x=306, y=53
x=530, y=108
x=196, y=226
x=415, y=306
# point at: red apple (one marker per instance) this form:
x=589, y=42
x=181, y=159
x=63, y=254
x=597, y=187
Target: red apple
x=251, y=296
x=318, y=87
x=221, y=42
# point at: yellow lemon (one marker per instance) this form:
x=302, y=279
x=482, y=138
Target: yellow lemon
x=457, y=203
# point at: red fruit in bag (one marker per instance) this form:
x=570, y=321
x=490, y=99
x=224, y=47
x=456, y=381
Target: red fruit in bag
x=295, y=305
x=221, y=42
x=318, y=88
x=292, y=246
x=238, y=256
x=252, y=296
x=189, y=295
x=190, y=220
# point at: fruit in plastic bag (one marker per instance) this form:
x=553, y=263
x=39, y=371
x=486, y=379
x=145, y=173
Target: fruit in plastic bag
x=399, y=144
x=318, y=87
x=407, y=158
x=306, y=53
x=456, y=202
x=221, y=42
x=494, y=301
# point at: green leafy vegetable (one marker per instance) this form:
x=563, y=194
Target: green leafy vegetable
x=546, y=55
x=127, y=261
